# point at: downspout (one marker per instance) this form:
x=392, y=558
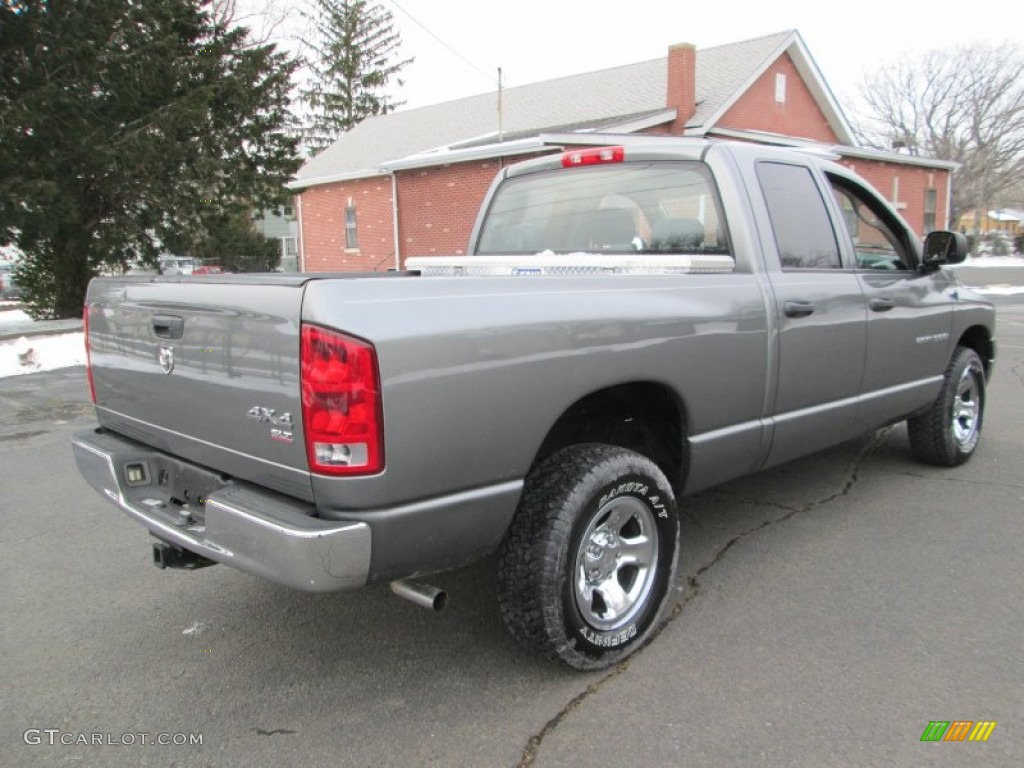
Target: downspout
x=394, y=219
x=949, y=200
x=302, y=246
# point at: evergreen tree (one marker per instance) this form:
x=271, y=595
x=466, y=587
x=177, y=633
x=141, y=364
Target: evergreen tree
x=353, y=61
x=230, y=240
x=124, y=124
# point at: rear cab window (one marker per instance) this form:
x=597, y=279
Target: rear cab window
x=804, y=236
x=657, y=207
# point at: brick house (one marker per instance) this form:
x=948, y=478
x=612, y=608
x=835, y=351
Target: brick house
x=409, y=183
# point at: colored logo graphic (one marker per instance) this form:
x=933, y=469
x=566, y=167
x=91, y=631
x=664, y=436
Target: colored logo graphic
x=958, y=730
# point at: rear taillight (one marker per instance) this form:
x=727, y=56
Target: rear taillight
x=594, y=156
x=88, y=353
x=341, y=406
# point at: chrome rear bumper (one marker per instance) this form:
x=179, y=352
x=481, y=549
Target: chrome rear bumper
x=254, y=530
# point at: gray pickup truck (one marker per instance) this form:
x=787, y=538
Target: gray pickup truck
x=631, y=324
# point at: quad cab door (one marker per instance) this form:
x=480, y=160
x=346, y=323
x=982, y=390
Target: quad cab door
x=909, y=310
x=820, y=311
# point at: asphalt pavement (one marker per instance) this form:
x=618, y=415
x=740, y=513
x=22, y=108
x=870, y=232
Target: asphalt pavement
x=826, y=612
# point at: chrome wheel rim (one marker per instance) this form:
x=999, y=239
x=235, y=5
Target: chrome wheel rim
x=966, y=407
x=616, y=563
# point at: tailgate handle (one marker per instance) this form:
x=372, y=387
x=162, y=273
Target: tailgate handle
x=168, y=326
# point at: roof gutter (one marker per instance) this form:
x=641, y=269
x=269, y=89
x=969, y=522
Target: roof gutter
x=297, y=185
x=866, y=153
x=447, y=157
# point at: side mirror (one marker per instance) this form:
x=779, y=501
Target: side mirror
x=944, y=247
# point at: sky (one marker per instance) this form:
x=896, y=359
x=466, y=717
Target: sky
x=535, y=40
x=458, y=45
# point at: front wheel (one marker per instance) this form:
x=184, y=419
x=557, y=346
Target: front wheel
x=589, y=558
x=947, y=434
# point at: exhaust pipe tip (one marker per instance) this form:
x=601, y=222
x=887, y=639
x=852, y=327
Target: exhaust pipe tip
x=424, y=595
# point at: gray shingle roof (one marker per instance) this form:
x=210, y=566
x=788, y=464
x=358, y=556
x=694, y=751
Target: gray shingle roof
x=591, y=99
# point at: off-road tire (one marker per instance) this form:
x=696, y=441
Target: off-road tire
x=947, y=434
x=595, y=521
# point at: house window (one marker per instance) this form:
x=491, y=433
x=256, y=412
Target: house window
x=780, y=88
x=930, y=200
x=289, y=254
x=351, y=234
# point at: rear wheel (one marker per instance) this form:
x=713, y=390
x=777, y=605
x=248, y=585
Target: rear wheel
x=586, y=566
x=947, y=434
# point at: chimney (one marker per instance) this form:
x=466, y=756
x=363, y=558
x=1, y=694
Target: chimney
x=682, y=84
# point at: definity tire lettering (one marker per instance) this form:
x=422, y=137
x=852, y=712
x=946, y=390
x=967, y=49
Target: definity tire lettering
x=609, y=641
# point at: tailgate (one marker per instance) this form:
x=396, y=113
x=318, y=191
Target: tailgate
x=206, y=369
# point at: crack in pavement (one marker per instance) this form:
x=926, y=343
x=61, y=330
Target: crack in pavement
x=1018, y=370
x=964, y=480
x=23, y=435
x=530, y=751
x=849, y=481
x=692, y=590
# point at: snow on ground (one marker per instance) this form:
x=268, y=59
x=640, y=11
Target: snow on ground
x=1000, y=290
x=37, y=353
x=11, y=316
x=41, y=353
x=990, y=261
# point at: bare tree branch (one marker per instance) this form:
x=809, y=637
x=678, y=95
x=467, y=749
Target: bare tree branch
x=965, y=105
x=263, y=18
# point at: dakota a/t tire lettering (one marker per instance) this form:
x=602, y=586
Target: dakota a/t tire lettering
x=587, y=564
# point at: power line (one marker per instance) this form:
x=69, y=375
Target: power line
x=422, y=26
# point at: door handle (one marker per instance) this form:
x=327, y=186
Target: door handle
x=798, y=308
x=881, y=305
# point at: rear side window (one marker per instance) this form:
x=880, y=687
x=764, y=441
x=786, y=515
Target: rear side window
x=803, y=231
x=625, y=208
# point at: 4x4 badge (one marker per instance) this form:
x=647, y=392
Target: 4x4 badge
x=271, y=416
x=166, y=359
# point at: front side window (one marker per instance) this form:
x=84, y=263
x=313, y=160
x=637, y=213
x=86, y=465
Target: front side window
x=622, y=208
x=803, y=230
x=877, y=238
